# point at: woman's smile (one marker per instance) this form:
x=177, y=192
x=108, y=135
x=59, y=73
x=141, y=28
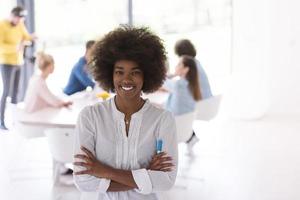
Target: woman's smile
x=127, y=88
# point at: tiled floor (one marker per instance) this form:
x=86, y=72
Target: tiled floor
x=234, y=160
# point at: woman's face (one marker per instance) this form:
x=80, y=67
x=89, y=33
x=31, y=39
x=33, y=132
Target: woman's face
x=50, y=68
x=128, y=79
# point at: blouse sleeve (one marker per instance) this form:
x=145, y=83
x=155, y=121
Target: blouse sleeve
x=149, y=181
x=85, y=136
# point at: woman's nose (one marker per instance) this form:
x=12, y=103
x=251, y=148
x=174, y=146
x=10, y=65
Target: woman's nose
x=127, y=77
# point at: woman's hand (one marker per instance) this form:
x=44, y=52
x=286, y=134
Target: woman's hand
x=161, y=162
x=67, y=103
x=92, y=165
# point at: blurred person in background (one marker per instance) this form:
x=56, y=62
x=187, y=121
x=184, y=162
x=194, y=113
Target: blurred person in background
x=79, y=78
x=184, y=91
x=185, y=47
x=13, y=35
x=183, y=88
x=38, y=95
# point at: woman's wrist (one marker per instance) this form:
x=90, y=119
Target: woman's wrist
x=105, y=171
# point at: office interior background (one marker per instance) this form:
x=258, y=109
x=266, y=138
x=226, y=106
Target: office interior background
x=250, y=51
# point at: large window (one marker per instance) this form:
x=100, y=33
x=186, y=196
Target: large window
x=63, y=27
x=5, y=7
x=65, y=22
x=207, y=23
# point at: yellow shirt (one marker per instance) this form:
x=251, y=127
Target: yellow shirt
x=10, y=39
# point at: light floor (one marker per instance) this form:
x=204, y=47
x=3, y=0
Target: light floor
x=234, y=160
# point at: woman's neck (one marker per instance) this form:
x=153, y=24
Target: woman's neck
x=183, y=76
x=129, y=106
x=44, y=74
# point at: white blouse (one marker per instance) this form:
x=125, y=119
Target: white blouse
x=101, y=129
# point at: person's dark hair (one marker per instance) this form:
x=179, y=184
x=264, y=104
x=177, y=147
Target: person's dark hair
x=185, y=47
x=139, y=45
x=192, y=76
x=89, y=44
x=18, y=11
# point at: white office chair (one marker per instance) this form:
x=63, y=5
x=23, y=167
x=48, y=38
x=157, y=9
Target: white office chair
x=207, y=109
x=28, y=131
x=184, y=126
x=24, y=130
x=61, y=141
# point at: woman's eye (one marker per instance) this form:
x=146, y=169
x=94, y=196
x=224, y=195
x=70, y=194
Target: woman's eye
x=118, y=72
x=136, y=72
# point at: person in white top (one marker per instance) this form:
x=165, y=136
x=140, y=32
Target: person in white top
x=116, y=155
x=38, y=95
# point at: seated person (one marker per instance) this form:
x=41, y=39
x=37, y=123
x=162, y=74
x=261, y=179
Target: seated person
x=38, y=95
x=79, y=78
x=184, y=91
x=183, y=88
x=185, y=47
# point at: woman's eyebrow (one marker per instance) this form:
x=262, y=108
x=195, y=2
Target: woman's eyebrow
x=134, y=68
x=119, y=67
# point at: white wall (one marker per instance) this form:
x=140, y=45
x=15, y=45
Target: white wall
x=5, y=7
x=285, y=56
x=266, y=58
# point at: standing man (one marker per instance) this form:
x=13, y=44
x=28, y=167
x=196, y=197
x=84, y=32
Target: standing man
x=13, y=34
x=79, y=78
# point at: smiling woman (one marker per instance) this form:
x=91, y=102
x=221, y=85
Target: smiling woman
x=115, y=146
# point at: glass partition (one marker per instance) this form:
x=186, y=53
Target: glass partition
x=207, y=23
x=63, y=27
x=5, y=7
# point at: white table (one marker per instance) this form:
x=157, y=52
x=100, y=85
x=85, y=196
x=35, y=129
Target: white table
x=67, y=117
x=57, y=117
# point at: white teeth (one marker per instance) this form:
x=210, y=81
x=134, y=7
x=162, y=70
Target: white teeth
x=127, y=88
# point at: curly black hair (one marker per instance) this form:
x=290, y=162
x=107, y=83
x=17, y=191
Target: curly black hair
x=139, y=45
x=185, y=47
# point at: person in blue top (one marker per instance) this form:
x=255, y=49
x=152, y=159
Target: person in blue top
x=79, y=78
x=185, y=47
x=183, y=88
x=184, y=91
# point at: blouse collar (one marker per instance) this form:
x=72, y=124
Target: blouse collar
x=119, y=115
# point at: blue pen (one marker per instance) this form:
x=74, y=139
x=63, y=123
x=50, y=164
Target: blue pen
x=159, y=144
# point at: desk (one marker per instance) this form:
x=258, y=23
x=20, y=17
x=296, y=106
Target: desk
x=67, y=117
x=57, y=117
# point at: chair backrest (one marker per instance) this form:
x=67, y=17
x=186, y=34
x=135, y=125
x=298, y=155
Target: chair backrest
x=61, y=142
x=184, y=126
x=25, y=130
x=28, y=131
x=207, y=109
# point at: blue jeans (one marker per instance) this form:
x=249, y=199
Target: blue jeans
x=10, y=79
